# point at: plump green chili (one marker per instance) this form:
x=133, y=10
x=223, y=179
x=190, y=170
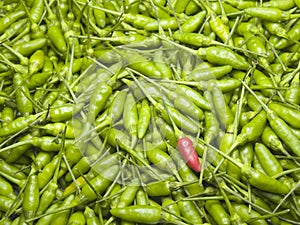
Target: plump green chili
x=31, y=197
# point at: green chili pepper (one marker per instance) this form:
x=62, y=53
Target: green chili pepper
x=279, y=4
x=210, y=73
x=223, y=56
x=36, y=62
x=98, y=100
x=271, y=140
x=159, y=188
x=185, y=123
x=257, y=165
x=257, y=45
x=192, y=8
x=7, y=20
x=47, y=143
x=37, y=10
x=18, y=124
x=117, y=106
x=6, y=189
x=267, y=160
x=31, y=197
x=77, y=218
x=227, y=8
x=172, y=207
x=242, y=210
x=161, y=159
x=193, y=22
x=46, y=198
x=292, y=34
x=42, y=159
x=98, y=185
x=144, y=119
x=56, y=36
x=91, y=218
x=222, y=110
x=140, y=214
x=232, y=169
x=186, y=106
x=261, y=79
x=292, y=95
x=30, y=47
x=7, y=115
x=47, y=218
x=263, y=181
x=62, y=217
x=180, y=6
x=164, y=23
x=241, y=4
x=64, y=112
x=127, y=197
x=188, y=209
x=14, y=29
x=217, y=212
x=196, y=97
x=59, y=129
x=195, y=39
x=211, y=126
x=47, y=173
x=221, y=30
x=166, y=131
x=289, y=115
x=252, y=130
x=163, y=67
x=22, y=95
x=284, y=132
x=270, y=14
x=14, y=154
x=5, y=203
x=100, y=17
x=73, y=187
x=275, y=28
x=137, y=20
x=141, y=64
x=246, y=153
x=37, y=80
x=130, y=118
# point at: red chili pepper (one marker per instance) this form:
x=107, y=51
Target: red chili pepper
x=189, y=154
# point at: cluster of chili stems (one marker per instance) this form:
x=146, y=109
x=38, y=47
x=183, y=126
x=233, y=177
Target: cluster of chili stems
x=149, y=112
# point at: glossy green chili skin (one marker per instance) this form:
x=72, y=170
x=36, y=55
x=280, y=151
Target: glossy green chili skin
x=9, y=19
x=223, y=56
x=263, y=181
x=188, y=209
x=289, y=115
x=217, y=212
x=99, y=184
x=31, y=197
x=30, y=47
x=140, y=214
x=268, y=13
x=55, y=34
x=270, y=164
x=6, y=188
x=18, y=124
x=284, y=132
x=22, y=95
x=144, y=119
x=98, y=99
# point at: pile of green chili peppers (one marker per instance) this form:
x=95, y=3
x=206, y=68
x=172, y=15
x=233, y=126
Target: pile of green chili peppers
x=97, y=95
